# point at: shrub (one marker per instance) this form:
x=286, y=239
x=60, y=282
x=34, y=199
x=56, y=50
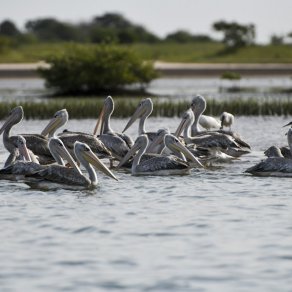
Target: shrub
x=96, y=69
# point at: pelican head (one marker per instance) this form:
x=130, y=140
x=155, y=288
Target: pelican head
x=59, y=119
x=140, y=143
x=144, y=109
x=186, y=122
x=226, y=119
x=21, y=145
x=107, y=110
x=273, y=151
x=289, y=124
x=87, y=157
x=175, y=145
x=14, y=117
x=159, y=139
x=198, y=104
x=59, y=152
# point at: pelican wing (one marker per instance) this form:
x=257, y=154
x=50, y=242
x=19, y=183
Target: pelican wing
x=272, y=165
x=94, y=143
x=116, y=145
x=162, y=163
x=61, y=175
x=22, y=168
x=38, y=144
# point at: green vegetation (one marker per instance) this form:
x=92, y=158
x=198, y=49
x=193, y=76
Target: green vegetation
x=46, y=36
x=202, y=52
x=124, y=107
x=83, y=69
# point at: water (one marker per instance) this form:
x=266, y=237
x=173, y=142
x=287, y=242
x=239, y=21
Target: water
x=183, y=88
x=214, y=230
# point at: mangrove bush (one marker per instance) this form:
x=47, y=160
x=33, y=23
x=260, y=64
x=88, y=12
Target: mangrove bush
x=96, y=69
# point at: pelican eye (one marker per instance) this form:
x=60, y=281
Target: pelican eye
x=60, y=144
x=86, y=149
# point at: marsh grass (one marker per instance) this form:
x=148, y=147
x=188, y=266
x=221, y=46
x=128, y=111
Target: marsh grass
x=125, y=107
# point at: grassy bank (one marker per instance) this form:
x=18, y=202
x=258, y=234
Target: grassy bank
x=169, y=52
x=90, y=108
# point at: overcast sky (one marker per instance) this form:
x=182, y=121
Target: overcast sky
x=162, y=16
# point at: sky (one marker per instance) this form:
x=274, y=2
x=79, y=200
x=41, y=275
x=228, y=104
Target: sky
x=162, y=16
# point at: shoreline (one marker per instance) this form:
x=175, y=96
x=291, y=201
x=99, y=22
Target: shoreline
x=29, y=70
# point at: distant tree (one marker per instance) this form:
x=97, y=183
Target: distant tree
x=126, y=31
x=180, y=36
x=50, y=29
x=183, y=36
x=9, y=29
x=276, y=40
x=235, y=35
x=289, y=35
x=112, y=20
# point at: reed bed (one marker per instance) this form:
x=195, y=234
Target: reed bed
x=125, y=107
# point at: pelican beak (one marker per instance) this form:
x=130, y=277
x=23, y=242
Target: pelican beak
x=130, y=153
x=180, y=127
x=92, y=159
x=188, y=154
x=24, y=152
x=222, y=121
x=137, y=114
x=63, y=152
x=53, y=124
x=99, y=123
x=289, y=124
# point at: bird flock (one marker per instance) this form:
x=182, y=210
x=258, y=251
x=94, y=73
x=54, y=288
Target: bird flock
x=70, y=159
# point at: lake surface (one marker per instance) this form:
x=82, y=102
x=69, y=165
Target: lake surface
x=213, y=230
x=182, y=88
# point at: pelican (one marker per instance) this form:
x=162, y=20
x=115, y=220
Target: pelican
x=208, y=122
x=118, y=144
x=274, y=151
x=143, y=111
x=227, y=120
x=21, y=168
x=20, y=152
x=59, y=119
x=72, y=178
x=160, y=165
x=216, y=140
x=274, y=166
x=38, y=144
x=198, y=106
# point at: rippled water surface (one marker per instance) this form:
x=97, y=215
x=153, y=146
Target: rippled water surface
x=214, y=230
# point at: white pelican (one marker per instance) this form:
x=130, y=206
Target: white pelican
x=118, y=144
x=72, y=178
x=274, y=166
x=160, y=164
x=209, y=123
x=214, y=140
x=227, y=120
x=198, y=106
x=143, y=111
